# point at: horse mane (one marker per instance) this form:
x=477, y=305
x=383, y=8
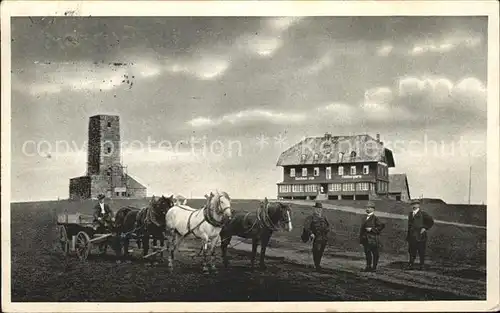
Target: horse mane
x=212, y=195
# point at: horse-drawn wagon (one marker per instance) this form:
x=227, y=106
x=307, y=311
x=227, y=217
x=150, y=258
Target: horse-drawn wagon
x=76, y=234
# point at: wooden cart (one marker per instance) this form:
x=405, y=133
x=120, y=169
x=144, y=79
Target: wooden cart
x=76, y=235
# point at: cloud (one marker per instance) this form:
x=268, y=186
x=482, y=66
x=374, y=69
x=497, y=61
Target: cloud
x=443, y=90
x=471, y=85
x=322, y=63
x=201, y=122
x=204, y=68
x=282, y=24
x=384, y=50
x=377, y=97
x=263, y=46
x=248, y=116
x=40, y=89
x=52, y=78
x=445, y=45
x=147, y=69
x=471, y=94
x=339, y=113
x=268, y=40
x=438, y=88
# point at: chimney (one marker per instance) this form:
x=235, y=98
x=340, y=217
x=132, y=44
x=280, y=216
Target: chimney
x=328, y=136
x=378, y=137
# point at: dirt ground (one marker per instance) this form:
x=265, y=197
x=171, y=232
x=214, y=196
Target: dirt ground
x=41, y=273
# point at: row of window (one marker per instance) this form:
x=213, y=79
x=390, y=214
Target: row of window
x=328, y=155
x=331, y=187
x=328, y=172
x=383, y=186
x=298, y=188
x=383, y=171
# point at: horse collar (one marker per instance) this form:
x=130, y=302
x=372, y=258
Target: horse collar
x=210, y=219
x=265, y=220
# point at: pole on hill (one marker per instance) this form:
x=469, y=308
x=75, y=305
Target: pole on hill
x=470, y=176
x=470, y=180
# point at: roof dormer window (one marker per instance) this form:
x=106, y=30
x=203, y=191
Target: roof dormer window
x=341, y=156
x=303, y=158
x=316, y=157
x=353, y=154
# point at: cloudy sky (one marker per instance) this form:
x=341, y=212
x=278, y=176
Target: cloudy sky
x=246, y=89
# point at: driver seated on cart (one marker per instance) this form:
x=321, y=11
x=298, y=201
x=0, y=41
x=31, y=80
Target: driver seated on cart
x=103, y=216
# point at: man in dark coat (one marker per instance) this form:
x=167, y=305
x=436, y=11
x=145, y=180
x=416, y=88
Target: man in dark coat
x=369, y=233
x=316, y=227
x=419, y=222
x=103, y=216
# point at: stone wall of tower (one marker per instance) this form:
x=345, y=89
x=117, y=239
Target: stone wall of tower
x=79, y=188
x=104, y=144
x=94, y=146
x=105, y=173
x=110, y=142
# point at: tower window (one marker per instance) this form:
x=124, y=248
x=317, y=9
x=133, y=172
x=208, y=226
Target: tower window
x=109, y=124
x=109, y=149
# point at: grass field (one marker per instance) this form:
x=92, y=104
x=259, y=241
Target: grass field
x=456, y=263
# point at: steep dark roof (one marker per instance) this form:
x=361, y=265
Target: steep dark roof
x=327, y=148
x=398, y=183
x=134, y=184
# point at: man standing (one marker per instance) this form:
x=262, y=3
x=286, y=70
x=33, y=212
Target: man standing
x=103, y=216
x=419, y=222
x=316, y=227
x=369, y=233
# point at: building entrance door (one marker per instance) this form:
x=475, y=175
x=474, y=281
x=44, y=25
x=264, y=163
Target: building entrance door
x=323, y=188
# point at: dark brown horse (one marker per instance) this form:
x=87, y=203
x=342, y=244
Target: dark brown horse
x=259, y=225
x=146, y=223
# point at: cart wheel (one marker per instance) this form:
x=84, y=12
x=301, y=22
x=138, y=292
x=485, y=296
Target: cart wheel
x=63, y=239
x=82, y=245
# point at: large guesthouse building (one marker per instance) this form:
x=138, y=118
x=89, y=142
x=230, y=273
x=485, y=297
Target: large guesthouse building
x=336, y=167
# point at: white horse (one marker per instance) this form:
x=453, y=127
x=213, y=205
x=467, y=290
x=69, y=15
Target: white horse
x=180, y=199
x=205, y=224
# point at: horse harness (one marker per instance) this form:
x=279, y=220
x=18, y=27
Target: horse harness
x=264, y=219
x=206, y=217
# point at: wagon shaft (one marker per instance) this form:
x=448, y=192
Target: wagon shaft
x=100, y=238
x=156, y=252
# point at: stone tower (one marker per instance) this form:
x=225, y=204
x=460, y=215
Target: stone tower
x=105, y=172
x=104, y=147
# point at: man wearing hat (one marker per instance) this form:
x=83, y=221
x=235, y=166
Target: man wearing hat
x=103, y=216
x=419, y=222
x=316, y=227
x=369, y=233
